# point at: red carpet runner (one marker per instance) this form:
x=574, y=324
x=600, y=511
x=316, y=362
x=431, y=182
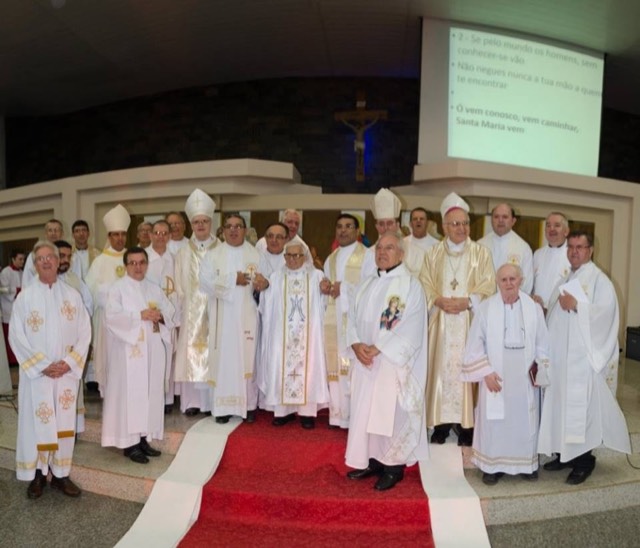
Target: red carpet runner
x=285, y=487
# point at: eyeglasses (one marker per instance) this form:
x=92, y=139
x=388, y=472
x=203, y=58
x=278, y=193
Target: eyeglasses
x=233, y=227
x=161, y=233
x=46, y=258
x=136, y=263
x=578, y=247
x=293, y=255
x=274, y=237
x=200, y=222
x=455, y=224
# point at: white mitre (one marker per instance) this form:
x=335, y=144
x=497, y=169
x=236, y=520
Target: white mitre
x=453, y=201
x=117, y=219
x=386, y=205
x=199, y=203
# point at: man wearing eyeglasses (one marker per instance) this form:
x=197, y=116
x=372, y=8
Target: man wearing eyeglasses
x=294, y=379
x=140, y=319
x=292, y=219
x=506, y=246
x=580, y=411
x=456, y=276
x=161, y=272
x=50, y=332
x=343, y=271
x=104, y=271
x=192, y=350
x=226, y=276
x=178, y=226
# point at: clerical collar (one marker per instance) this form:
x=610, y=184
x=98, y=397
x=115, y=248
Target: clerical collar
x=389, y=269
x=456, y=247
x=349, y=247
x=201, y=244
x=558, y=246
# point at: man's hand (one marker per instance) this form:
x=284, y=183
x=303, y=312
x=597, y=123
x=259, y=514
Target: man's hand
x=452, y=305
x=151, y=315
x=568, y=302
x=365, y=353
x=335, y=290
x=493, y=380
x=260, y=283
x=243, y=278
x=325, y=286
x=56, y=369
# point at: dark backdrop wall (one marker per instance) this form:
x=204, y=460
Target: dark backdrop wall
x=288, y=120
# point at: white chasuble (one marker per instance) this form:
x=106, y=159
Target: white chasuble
x=134, y=399
x=387, y=397
x=580, y=411
x=292, y=310
x=48, y=324
x=232, y=328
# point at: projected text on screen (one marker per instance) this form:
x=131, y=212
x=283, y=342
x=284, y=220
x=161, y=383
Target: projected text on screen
x=521, y=102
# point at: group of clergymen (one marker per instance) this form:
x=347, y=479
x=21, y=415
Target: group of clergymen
x=407, y=335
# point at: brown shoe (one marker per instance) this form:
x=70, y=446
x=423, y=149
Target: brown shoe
x=66, y=486
x=34, y=491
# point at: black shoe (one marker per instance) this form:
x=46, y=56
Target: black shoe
x=136, y=454
x=37, y=485
x=147, y=449
x=374, y=469
x=530, y=477
x=491, y=479
x=308, y=423
x=92, y=386
x=555, y=465
x=439, y=436
x=465, y=435
x=578, y=475
x=192, y=411
x=388, y=480
x=168, y=408
x=251, y=416
x=207, y=413
x=66, y=486
x=224, y=419
x=281, y=421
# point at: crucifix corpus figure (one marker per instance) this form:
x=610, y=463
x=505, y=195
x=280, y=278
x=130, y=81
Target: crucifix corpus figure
x=360, y=120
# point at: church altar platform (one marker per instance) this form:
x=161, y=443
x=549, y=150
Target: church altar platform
x=615, y=483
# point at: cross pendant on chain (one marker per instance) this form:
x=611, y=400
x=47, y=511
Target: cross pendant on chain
x=454, y=284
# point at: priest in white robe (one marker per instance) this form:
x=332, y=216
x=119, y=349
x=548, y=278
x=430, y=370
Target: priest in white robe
x=386, y=207
x=507, y=353
x=192, y=350
x=50, y=334
x=161, y=272
x=506, y=246
x=226, y=276
x=104, y=271
x=177, y=226
x=550, y=263
x=580, y=411
x=294, y=380
x=53, y=231
x=139, y=318
x=387, y=332
x=10, y=286
x=292, y=219
x=343, y=270
x=419, y=221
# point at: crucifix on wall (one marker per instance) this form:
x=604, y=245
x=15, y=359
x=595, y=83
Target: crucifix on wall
x=360, y=120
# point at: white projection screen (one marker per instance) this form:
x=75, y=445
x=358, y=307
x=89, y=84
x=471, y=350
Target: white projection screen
x=508, y=99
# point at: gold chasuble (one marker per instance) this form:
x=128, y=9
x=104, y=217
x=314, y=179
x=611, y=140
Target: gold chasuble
x=448, y=273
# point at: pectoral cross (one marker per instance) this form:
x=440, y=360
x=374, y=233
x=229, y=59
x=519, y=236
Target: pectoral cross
x=360, y=120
